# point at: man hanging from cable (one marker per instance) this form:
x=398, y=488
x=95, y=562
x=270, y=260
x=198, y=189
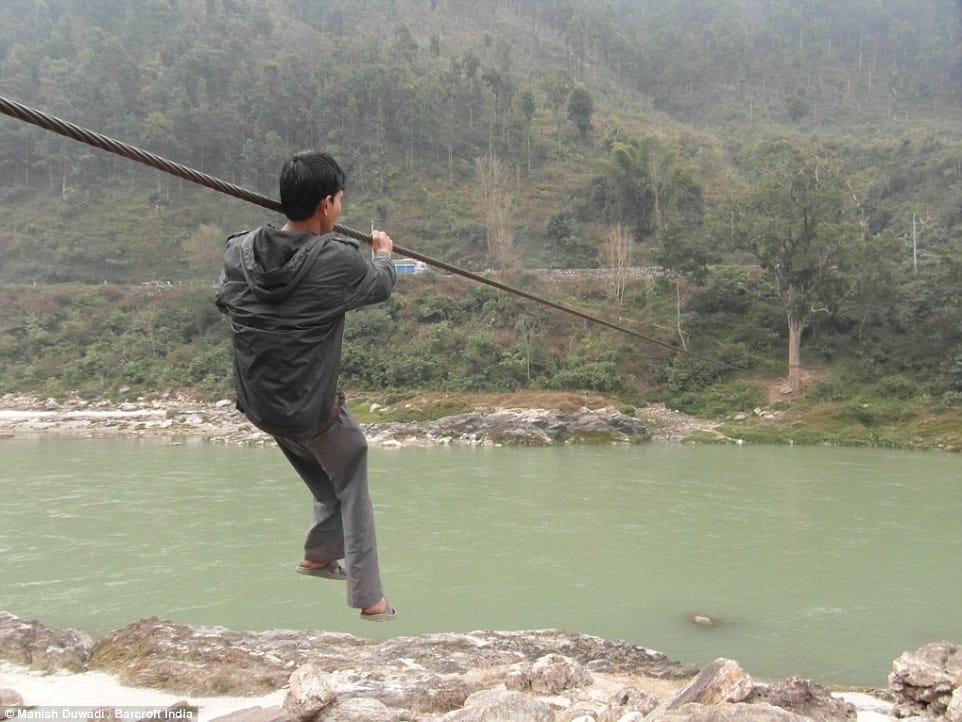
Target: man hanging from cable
x=285, y=292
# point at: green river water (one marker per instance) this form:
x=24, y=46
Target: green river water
x=827, y=563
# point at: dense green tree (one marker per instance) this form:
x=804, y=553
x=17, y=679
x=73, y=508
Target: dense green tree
x=581, y=107
x=797, y=221
x=630, y=197
x=557, y=88
x=652, y=188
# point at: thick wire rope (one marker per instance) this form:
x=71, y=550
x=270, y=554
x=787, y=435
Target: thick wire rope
x=56, y=125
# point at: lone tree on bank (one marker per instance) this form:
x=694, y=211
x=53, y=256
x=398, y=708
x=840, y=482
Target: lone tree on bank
x=797, y=219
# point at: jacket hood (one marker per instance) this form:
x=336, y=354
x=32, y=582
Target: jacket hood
x=275, y=261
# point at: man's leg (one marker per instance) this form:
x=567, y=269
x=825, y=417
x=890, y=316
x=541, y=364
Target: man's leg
x=325, y=538
x=341, y=453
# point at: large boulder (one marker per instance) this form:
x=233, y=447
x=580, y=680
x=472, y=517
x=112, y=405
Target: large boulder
x=31, y=644
x=358, y=709
x=199, y=660
x=927, y=682
x=495, y=705
x=722, y=681
x=695, y=712
x=804, y=697
x=10, y=699
x=551, y=674
x=310, y=693
x=723, y=691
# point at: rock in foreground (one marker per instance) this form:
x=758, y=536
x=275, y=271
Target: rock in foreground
x=928, y=682
x=524, y=676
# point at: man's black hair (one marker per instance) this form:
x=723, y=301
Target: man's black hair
x=306, y=179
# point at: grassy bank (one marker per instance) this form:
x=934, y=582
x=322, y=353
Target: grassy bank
x=877, y=424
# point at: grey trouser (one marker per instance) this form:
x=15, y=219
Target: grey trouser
x=334, y=467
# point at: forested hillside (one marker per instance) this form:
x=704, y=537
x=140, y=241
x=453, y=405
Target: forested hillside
x=794, y=167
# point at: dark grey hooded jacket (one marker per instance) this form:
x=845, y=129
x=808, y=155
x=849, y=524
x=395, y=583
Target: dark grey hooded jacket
x=286, y=295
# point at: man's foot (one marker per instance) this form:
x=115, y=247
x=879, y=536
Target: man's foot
x=325, y=570
x=382, y=611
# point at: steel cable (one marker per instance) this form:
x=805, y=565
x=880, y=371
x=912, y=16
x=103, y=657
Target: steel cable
x=56, y=125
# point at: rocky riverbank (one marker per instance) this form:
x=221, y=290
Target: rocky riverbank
x=523, y=676
x=499, y=423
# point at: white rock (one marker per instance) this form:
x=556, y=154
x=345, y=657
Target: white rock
x=310, y=693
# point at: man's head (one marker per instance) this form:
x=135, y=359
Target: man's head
x=306, y=179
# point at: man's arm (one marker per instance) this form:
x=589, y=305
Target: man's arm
x=377, y=275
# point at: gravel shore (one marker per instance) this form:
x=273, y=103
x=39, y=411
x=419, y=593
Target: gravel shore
x=179, y=415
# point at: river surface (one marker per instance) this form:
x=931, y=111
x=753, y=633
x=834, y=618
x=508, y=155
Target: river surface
x=826, y=563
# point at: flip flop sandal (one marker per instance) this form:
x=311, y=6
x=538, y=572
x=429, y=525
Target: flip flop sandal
x=386, y=616
x=331, y=571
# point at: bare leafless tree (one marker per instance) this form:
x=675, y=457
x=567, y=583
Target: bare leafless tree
x=616, y=252
x=494, y=183
x=205, y=249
